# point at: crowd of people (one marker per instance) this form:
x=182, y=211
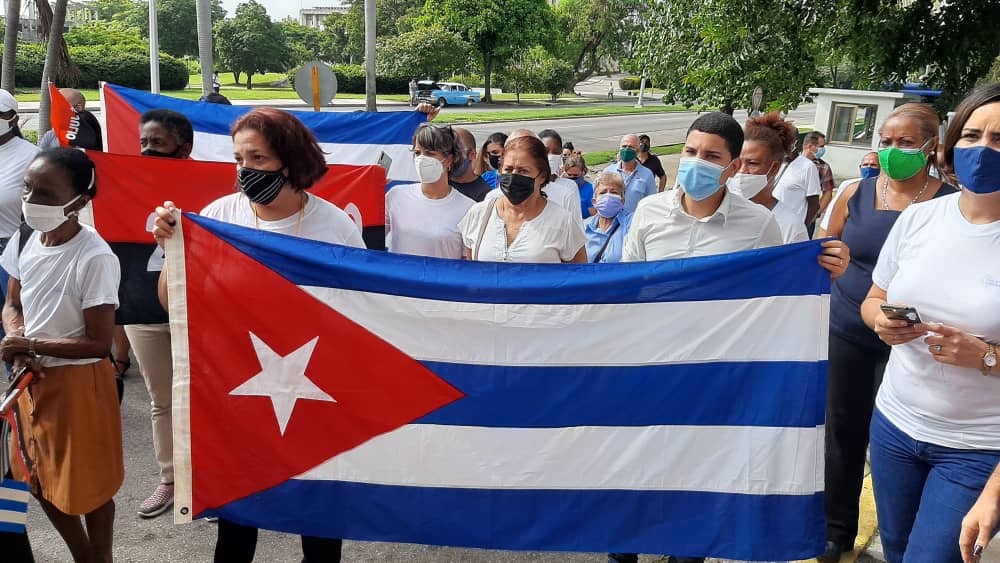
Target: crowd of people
x=914, y=233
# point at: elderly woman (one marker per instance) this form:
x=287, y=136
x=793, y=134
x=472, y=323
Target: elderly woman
x=59, y=317
x=423, y=218
x=862, y=218
x=935, y=434
x=575, y=169
x=277, y=160
x=521, y=225
x=606, y=230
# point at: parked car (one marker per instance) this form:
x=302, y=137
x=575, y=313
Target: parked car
x=446, y=93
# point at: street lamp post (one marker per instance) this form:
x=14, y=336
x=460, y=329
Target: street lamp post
x=370, y=56
x=154, y=50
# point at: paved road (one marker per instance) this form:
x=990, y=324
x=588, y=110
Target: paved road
x=604, y=133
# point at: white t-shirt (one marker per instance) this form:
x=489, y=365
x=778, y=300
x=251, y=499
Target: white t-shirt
x=15, y=156
x=59, y=282
x=417, y=224
x=552, y=237
x=321, y=220
x=947, y=268
x=799, y=181
x=563, y=191
x=662, y=230
x=824, y=222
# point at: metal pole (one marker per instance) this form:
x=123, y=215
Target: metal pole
x=203, y=9
x=154, y=50
x=642, y=89
x=370, y=56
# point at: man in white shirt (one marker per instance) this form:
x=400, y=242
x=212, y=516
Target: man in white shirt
x=798, y=192
x=561, y=191
x=702, y=217
x=15, y=155
x=639, y=180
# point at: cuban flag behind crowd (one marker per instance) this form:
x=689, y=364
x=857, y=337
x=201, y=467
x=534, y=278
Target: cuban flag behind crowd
x=357, y=138
x=664, y=407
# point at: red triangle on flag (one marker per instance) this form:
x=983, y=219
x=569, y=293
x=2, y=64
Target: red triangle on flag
x=237, y=444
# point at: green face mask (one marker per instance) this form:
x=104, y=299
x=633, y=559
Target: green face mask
x=902, y=164
x=627, y=154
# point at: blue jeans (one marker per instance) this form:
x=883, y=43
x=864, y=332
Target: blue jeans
x=922, y=492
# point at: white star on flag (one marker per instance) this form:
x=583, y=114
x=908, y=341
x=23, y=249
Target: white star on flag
x=283, y=379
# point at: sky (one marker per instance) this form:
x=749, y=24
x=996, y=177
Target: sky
x=279, y=9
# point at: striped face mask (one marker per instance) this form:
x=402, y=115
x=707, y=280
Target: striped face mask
x=261, y=186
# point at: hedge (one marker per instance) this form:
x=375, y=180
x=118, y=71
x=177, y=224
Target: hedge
x=119, y=66
x=632, y=83
x=351, y=80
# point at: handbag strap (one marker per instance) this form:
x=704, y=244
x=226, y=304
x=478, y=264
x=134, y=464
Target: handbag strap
x=607, y=241
x=482, y=227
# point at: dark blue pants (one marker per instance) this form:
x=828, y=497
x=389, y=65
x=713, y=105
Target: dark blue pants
x=922, y=492
x=237, y=544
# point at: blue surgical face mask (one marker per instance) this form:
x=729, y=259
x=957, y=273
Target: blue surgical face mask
x=978, y=169
x=870, y=172
x=820, y=152
x=699, y=178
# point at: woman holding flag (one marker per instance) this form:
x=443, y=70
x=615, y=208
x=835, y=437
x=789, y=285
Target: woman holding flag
x=277, y=160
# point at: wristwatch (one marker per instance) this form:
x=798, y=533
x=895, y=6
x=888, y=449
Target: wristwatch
x=989, y=358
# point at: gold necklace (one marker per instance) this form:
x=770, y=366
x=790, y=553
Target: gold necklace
x=298, y=222
x=885, y=193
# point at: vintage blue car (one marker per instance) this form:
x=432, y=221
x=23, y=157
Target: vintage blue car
x=446, y=93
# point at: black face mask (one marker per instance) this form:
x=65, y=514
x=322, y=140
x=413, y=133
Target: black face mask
x=494, y=161
x=261, y=186
x=158, y=154
x=644, y=147
x=517, y=187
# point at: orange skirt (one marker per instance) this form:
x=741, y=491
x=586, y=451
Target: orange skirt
x=71, y=434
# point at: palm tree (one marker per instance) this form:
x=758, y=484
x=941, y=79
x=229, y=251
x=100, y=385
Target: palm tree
x=12, y=21
x=52, y=61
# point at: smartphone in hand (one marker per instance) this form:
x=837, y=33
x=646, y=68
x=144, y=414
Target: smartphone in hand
x=901, y=313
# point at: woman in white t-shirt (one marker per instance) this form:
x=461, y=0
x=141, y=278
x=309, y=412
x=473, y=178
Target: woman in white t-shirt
x=935, y=434
x=423, y=218
x=277, y=159
x=520, y=225
x=59, y=317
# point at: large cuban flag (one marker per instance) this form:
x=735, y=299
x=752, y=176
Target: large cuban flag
x=665, y=407
x=357, y=138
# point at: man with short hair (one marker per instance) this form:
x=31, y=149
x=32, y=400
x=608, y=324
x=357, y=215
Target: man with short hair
x=651, y=161
x=797, y=192
x=639, y=180
x=826, y=183
x=88, y=134
x=464, y=178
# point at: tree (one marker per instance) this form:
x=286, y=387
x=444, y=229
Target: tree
x=12, y=20
x=336, y=43
x=250, y=42
x=55, y=44
x=715, y=52
x=304, y=43
x=593, y=31
x=431, y=52
x=950, y=45
x=178, y=25
x=494, y=28
x=101, y=32
x=59, y=66
x=554, y=76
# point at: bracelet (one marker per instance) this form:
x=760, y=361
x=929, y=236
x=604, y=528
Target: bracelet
x=31, y=347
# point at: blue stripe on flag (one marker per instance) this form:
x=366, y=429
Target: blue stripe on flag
x=16, y=485
x=13, y=505
x=736, y=526
x=352, y=128
x=743, y=275
x=11, y=528
x=774, y=394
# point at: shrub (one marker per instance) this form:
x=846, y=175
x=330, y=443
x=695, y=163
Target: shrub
x=127, y=67
x=632, y=83
x=351, y=80
x=470, y=80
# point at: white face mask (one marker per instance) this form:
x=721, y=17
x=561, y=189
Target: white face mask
x=555, y=162
x=429, y=169
x=747, y=185
x=7, y=124
x=46, y=218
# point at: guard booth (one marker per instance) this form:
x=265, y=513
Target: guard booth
x=851, y=120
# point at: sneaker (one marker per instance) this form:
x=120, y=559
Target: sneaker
x=158, y=502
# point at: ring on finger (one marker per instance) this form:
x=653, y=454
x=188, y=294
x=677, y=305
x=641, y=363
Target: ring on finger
x=938, y=348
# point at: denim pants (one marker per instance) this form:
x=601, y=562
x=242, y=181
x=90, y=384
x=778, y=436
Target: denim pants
x=922, y=492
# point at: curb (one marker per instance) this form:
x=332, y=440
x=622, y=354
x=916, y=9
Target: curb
x=566, y=117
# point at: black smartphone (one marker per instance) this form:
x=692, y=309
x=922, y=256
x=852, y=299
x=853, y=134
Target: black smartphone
x=901, y=313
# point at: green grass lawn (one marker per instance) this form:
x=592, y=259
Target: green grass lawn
x=549, y=113
x=603, y=157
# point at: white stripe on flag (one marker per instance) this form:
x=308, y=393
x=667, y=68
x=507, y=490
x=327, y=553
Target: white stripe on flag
x=742, y=460
x=16, y=495
x=219, y=148
x=13, y=517
x=763, y=329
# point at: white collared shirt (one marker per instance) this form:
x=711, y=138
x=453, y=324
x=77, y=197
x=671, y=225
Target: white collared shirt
x=661, y=229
